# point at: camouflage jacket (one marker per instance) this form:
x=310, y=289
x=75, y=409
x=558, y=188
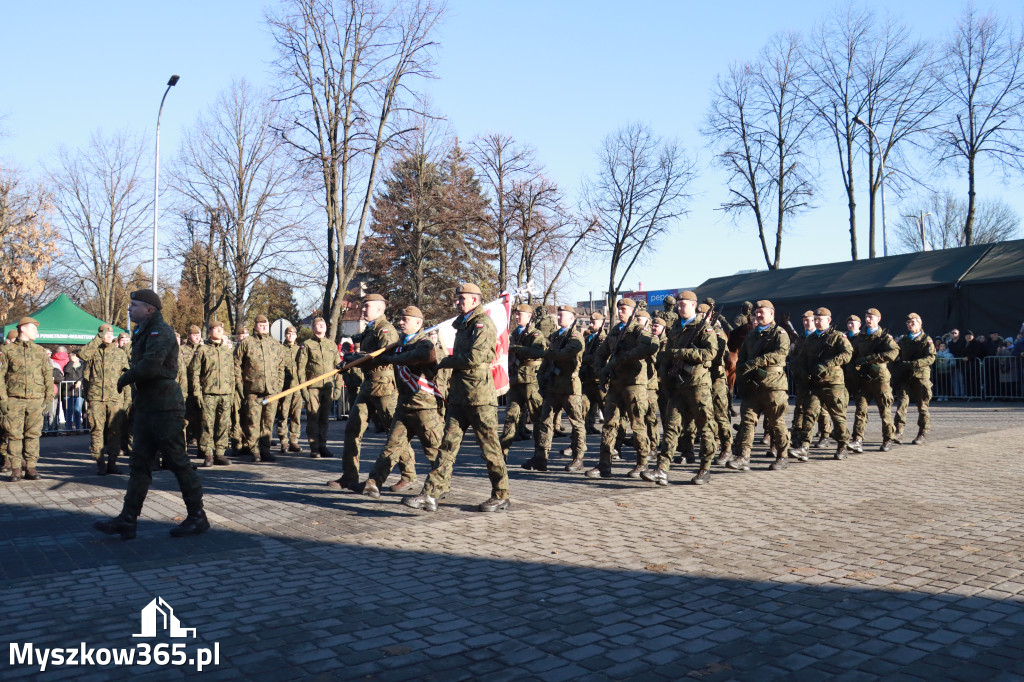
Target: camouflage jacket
x=689, y=353
x=525, y=353
x=212, y=370
x=154, y=367
x=872, y=354
x=316, y=357
x=622, y=356
x=822, y=358
x=415, y=367
x=378, y=380
x=473, y=352
x=656, y=363
x=593, y=341
x=761, y=360
x=26, y=372
x=718, y=364
x=443, y=377
x=259, y=365
x=104, y=365
x=291, y=363
x=915, y=359
x=187, y=352
x=559, y=372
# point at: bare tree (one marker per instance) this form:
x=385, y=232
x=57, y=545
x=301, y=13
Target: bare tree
x=345, y=69
x=938, y=222
x=233, y=167
x=26, y=240
x=759, y=124
x=104, y=204
x=640, y=191
x=201, y=246
x=503, y=162
x=981, y=73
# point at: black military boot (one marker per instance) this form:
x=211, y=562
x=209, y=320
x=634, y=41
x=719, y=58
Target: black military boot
x=495, y=504
x=221, y=460
x=919, y=438
x=703, y=477
x=840, y=452
x=739, y=462
x=800, y=453
x=886, y=446
x=112, y=465
x=123, y=524
x=575, y=465
x=370, y=489
x=194, y=524
x=856, y=446
x=421, y=501
x=535, y=463
x=207, y=460
x=780, y=464
x=31, y=474
x=101, y=465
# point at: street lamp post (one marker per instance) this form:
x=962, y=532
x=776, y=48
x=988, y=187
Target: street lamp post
x=881, y=180
x=156, y=177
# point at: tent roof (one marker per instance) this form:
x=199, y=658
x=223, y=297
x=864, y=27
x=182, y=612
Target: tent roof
x=1002, y=262
x=61, y=321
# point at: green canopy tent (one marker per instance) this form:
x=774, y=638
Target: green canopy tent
x=63, y=322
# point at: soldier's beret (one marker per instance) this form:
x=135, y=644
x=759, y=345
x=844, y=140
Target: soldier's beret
x=823, y=312
x=670, y=299
x=597, y=315
x=319, y=319
x=13, y=334
x=873, y=311
x=748, y=306
x=687, y=296
x=808, y=313
x=412, y=311
x=373, y=297
x=763, y=303
x=291, y=329
x=105, y=328
x=215, y=323
x=853, y=318
x=915, y=316
x=147, y=296
x=523, y=308
x=261, y=318
x=643, y=314
x=659, y=318
x=703, y=307
x=625, y=303
x=194, y=329
x=710, y=301
x=469, y=288
x=124, y=335
x=28, y=320
x=242, y=330
x=566, y=309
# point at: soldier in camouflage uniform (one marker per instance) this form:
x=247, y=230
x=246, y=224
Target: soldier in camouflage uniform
x=720, y=398
x=318, y=356
x=11, y=337
x=237, y=438
x=415, y=367
x=525, y=351
x=668, y=312
x=911, y=378
x=821, y=363
x=689, y=352
x=193, y=406
x=259, y=367
x=873, y=350
x=212, y=374
x=651, y=417
x=593, y=391
x=26, y=389
x=656, y=396
x=290, y=408
x=559, y=373
x=799, y=377
x=104, y=365
x=159, y=421
x=761, y=383
x=622, y=362
x=472, y=401
x=443, y=376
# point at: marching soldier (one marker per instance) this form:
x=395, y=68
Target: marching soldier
x=720, y=398
x=472, y=401
x=651, y=416
x=290, y=408
x=622, y=362
x=821, y=362
x=761, y=383
x=213, y=375
x=593, y=391
x=800, y=384
x=317, y=356
x=443, y=375
x=668, y=312
x=159, y=422
x=525, y=352
x=193, y=407
x=912, y=378
x=560, y=375
x=689, y=352
x=259, y=362
x=415, y=367
x=656, y=394
x=26, y=389
x=873, y=350
x=237, y=439
x=105, y=362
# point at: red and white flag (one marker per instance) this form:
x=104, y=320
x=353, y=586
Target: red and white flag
x=500, y=312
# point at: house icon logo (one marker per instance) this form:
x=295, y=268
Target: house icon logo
x=159, y=612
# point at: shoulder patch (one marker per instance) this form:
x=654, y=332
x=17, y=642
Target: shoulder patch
x=154, y=333
x=479, y=326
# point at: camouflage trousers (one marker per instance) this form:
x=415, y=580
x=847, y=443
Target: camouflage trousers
x=159, y=433
x=522, y=399
x=624, y=403
x=257, y=423
x=654, y=411
x=881, y=393
x=128, y=426
x=484, y=421
x=366, y=408
x=237, y=409
x=918, y=390
x=824, y=421
x=720, y=402
x=593, y=401
x=105, y=423
x=544, y=429
x=193, y=420
x=289, y=419
x=23, y=424
x=318, y=414
x=687, y=403
x=832, y=398
x=772, y=404
x=425, y=425
x=216, y=424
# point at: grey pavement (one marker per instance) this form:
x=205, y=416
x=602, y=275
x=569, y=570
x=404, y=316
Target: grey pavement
x=906, y=565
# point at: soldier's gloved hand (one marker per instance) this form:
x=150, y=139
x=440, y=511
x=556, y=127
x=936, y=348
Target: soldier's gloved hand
x=818, y=370
x=122, y=381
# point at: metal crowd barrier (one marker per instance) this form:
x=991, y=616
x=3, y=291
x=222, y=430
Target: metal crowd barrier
x=67, y=411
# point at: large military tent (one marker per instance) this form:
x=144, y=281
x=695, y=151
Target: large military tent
x=63, y=322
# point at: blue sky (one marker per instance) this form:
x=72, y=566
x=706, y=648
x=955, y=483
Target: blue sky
x=556, y=75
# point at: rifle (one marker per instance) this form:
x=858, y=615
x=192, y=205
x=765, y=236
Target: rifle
x=821, y=350
x=745, y=376
x=680, y=366
x=611, y=358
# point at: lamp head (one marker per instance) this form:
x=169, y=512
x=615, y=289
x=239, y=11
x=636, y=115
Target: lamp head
x=173, y=80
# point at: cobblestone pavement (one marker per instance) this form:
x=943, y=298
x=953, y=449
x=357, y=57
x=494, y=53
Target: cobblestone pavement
x=904, y=565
